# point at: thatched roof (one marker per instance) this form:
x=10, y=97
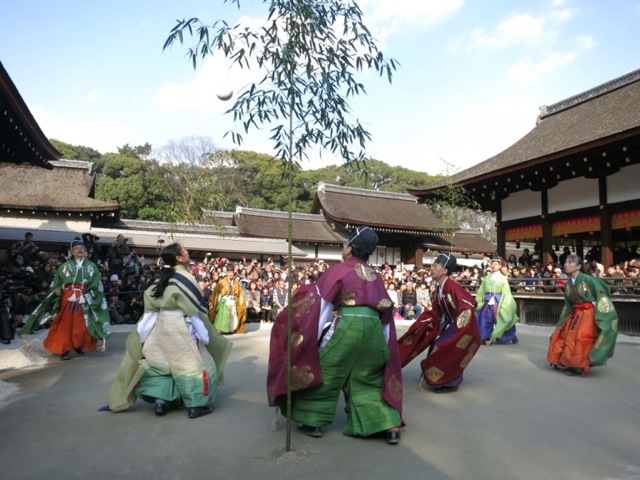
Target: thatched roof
x=306, y=227
x=67, y=187
x=21, y=139
x=604, y=114
x=380, y=210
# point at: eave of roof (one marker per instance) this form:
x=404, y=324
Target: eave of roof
x=31, y=145
x=603, y=115
x=203, y=242
x=398, y=212
x=306, y=227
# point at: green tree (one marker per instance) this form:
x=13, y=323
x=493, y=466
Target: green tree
x=138, y=186
x=453, y=205
x=310, y=51
x=75, y=152
x=140, y=151
x=195, y=169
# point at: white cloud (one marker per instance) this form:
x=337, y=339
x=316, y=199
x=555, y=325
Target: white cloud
x=216, y=74
x=486, y=128
x=213, y=76
x=92, y=97
x=104, y=136
x=527, y=71
x=522, y=28
x=586, y=42
x=385, y=17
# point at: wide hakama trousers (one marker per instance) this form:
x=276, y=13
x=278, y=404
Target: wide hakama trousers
x=352, y=361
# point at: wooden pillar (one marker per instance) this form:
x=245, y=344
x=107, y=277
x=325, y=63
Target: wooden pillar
x=418, y=256
x=606, y=234
x=580, y=248
x=547, y=244
x=501, y=243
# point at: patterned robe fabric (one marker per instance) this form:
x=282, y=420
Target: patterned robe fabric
x=305, y=365
x=505, y=315
x=350, y=283
x=80, y=314
x=586, y=301
x=449, y=330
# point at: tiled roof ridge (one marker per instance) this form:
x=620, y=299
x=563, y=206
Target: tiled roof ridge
x=218, y=213
x=67, y=163
x=364, y=192
x=279, y=214
x=469, y=231
x=132, y=223
x=623, y=81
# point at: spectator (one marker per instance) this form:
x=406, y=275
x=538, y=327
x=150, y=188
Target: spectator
x=617, y=286
x=132, y=265
x=561, y=280
x=280, y=298
x=548, y=278
x=423, y=295
x=115, y=285
x=395, y=299
x=119, y=249
x=563, y=257
x=94, y=249
x=266, y=305
x=254, y=270
x=205, y=289
x=253, y=302
x=117, y=311
x=26, y=248
x=525, y=259
x=410, y=307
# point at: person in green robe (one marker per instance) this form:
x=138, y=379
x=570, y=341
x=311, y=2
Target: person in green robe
x=586, y=332
x=175, y=357
x=496, y=310
x=75, y=306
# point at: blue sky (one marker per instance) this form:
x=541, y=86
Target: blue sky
x=473, y=73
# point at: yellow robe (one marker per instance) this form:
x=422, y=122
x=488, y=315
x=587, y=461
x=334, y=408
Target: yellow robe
x=229, y=292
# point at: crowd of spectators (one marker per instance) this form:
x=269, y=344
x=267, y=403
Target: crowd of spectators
x=26, y=273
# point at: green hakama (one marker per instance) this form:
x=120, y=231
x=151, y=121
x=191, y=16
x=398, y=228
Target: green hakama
x=353, y=361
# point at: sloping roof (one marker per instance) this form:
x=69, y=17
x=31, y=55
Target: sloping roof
x=154, y=226
x=462, y=241
x=305, y=227
x=382, y=210
x=202, y=242
x=223, y=219
x=149, y=240
x=605, y=113
x=21, y=139
x=64, y=188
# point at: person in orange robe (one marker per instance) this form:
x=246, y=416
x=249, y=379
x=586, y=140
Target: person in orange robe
x=81, y=317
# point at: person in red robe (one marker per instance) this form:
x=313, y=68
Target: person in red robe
x=449, y=330
x=343, y=339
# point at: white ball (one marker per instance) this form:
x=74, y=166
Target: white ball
x=225, y=95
